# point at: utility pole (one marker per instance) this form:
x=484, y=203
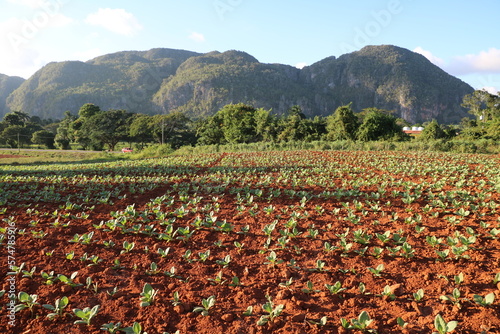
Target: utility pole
x=162, y=131
x=18, y=144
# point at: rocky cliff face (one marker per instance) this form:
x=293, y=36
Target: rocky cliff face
x=391, y=78
x=165, y=80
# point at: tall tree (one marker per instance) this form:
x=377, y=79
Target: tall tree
x=209, y=131
x=265, y=125
x=432, y=131
x=380, y=125
x=173, y=128
x=64, y=134
x=16, y=118
x=342, y=124
x=16, y=135
x=293, y=126
x=238, y=123
x=88, y=110
x=43, y=137
x=141, y=129
x=482, y=104
x=108, y=127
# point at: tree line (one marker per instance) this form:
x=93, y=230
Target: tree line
x=96, y=129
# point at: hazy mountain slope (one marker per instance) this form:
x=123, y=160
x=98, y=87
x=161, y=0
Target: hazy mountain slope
x=123, y=80
x=166, y=80
x=391, y=78
x=204, y=84
x=7, y=86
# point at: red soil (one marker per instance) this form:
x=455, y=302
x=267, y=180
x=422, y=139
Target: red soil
x=193, y=279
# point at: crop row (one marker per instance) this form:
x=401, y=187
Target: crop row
x=330, y=239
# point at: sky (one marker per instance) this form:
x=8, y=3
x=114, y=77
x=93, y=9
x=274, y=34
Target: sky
x=461, y=37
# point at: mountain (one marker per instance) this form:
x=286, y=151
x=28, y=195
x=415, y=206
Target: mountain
x=122, y=80
x=391, y=78
x=7, y=86
x=204, y=84
x=166, y=80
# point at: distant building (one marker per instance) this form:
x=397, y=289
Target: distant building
x=414, y=130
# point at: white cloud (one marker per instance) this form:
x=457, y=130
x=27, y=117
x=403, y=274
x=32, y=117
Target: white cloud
x=21, y=37
x=44, y=12
x=301, y=65
x=427, y=54
x=483, y=62
x=17, y=57
x=491, y=90
x=118, y=21
x=197, y=37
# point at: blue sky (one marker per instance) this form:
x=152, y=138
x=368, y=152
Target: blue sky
x=462, y=37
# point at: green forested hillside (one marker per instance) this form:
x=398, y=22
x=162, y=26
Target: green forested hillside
x=123, y=80
x=166, y=80
x=7, y=86
x=204, y=84
x=390, y=78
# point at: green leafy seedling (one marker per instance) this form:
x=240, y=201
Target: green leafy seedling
x=58, y=307
x=207, y=304
x=459, y=279
x=377, y=272
x=486, y=301
x=403, y=324
x=26, y=301
x=320, y=323
x=454, y=298
x=127, y=246
x=442, y=326
x=135, y=329
x=148, y=295
x=336, y=288
x=419, y=295
x=69, y=280
x=249, y=311
x=224, y=262
x=361, y=323
x=112, y=327
x=496, y=279
x=271, y=310
x=86, y=314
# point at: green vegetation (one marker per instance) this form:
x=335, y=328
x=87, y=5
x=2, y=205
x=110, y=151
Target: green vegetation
x=162, y=81
x=237, y=124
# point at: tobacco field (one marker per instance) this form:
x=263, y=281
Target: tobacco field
x=270, y=242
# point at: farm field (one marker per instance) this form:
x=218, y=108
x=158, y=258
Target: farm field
x=271, y=242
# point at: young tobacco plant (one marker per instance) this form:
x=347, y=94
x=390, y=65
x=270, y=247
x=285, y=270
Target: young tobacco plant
x=58, y=307
x=377, y=272
x=454, y=298
x=486, y=300
x=127, y=246
x=224, y=262
x=272, y=312
x=69, y=280
x=206, y=305
x=335, y=288
x=136, y=328
x=272, y=259
x=419, y=295
x=148, y=295
x=309, y=288
x=442, y=326
x=86, y=314
x=26, y=301
x=361, y=323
